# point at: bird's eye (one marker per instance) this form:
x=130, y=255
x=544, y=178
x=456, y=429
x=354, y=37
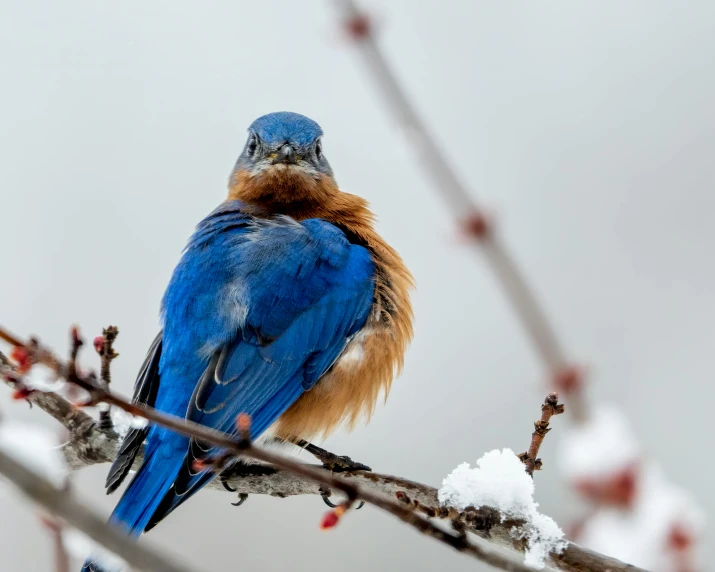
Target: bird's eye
x=252, y=146
x=318, y=148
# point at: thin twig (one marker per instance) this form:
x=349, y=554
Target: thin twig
x=470, y=216
x=10, y=338
x=550, y=408
x=104, y=345
x=65, y=506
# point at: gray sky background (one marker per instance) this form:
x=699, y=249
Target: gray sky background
x=585, y=127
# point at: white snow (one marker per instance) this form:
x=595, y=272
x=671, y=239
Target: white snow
x=35, y=447
x=601, y=446
x=79, y=546
x=123, y=421
x=500, y=481
x=42, y=378
x=640, y=534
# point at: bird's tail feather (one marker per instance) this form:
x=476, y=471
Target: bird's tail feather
x=91, y=565
x=143, y=495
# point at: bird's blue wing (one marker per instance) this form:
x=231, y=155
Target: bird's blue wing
x=300, y=291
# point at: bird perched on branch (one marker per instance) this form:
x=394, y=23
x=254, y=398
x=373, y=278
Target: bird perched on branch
x=286, y=305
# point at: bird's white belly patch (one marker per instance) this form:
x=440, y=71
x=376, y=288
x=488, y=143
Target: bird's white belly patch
x=354, y=352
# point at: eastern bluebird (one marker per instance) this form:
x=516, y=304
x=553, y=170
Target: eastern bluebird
x=286, y=305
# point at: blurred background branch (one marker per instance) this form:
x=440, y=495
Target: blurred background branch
x=63, y=505
x=470, y=217
x=631, y=488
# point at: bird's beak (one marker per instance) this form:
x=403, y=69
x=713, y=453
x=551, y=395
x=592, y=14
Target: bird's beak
x=286, y=154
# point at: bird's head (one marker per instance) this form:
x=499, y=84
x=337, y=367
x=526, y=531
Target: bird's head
x=282, y=163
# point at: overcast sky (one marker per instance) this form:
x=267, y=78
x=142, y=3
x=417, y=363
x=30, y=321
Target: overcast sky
x=586, y=128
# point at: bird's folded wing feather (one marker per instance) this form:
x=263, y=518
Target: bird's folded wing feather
x=304, y=290
x=145, y=388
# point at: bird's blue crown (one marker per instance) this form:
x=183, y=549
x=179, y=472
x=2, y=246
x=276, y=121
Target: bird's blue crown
x=282, y=126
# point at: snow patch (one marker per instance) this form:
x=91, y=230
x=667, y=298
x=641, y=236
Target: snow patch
x=500, y=481
x=123, y=422
x=42, y=378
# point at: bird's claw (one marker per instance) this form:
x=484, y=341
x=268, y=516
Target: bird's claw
x=241, y=499
x=224, y=482
x=326, y=499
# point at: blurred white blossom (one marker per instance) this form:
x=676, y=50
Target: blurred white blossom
x=643, y=533
x=79, y=546
x=598, y=447
x=36, y=447
x=638, y=516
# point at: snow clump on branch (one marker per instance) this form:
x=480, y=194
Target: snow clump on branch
x=500, y=481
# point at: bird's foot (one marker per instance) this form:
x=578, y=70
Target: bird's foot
x=341, y=463
x=331, y=461
x=240, y=469
x=325, y=495
x=241, y=496
x=241, y=499
x=224, y=481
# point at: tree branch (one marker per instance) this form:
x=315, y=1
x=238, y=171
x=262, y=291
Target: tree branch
x=243, y=447
x=286, y=477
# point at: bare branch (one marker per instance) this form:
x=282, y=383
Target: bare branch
x=243, y=447
x=550, y=408
x=104, y=345
x=11, y=339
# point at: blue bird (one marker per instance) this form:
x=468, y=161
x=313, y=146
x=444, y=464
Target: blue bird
x=286, y=305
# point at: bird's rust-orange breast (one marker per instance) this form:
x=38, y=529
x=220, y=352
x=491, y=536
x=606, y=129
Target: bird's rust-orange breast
x=349, y=391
